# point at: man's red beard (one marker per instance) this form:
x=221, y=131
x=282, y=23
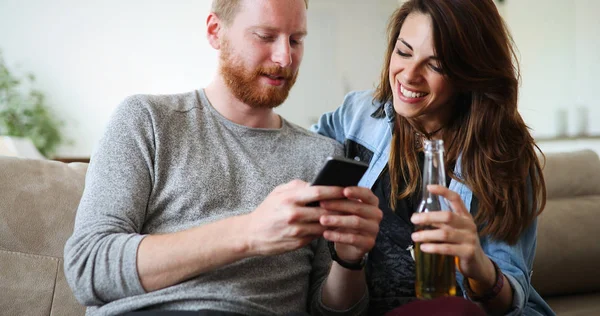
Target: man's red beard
x=246, y=86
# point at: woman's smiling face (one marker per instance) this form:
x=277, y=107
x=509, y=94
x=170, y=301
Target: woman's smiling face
x=420, y=89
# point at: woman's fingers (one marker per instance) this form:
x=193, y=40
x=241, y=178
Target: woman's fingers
x=350, y=222
x=456, y=250
x=444, y=234
x=351, y=239
x=456, y=203
x=353, y=207
x=439, y=219
x=364, y=195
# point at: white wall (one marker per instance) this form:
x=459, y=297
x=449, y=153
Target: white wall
x=559, y=45
x=89, y=55
x=344, y=52
x=587, y=56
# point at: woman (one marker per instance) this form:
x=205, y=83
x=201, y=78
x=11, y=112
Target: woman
x=450, y=73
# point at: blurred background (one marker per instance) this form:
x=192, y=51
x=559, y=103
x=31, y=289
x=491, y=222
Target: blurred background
x=87, y=56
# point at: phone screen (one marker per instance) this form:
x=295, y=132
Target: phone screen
x=341, y=172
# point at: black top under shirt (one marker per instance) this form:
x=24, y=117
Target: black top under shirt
x=390, y=267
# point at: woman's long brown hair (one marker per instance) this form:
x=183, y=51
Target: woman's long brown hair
x=498, y=155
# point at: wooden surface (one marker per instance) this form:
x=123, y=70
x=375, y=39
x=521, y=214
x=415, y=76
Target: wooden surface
x=72, y=159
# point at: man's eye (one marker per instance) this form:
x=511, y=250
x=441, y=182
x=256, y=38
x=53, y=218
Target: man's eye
x=266, y=38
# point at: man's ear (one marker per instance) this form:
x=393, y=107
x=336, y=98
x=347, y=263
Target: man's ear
x=214, y=26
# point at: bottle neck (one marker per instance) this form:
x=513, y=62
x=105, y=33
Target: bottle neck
x=433, y=167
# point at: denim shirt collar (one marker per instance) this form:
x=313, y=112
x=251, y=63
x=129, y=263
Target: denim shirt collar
x=385, y=110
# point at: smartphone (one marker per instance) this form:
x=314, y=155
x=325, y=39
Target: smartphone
x=340, y=172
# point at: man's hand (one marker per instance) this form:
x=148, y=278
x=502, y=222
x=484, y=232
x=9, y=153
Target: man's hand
x=352, y=223
x=283, y=222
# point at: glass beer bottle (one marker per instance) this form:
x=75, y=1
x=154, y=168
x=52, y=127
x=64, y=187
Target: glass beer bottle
x=435, y=274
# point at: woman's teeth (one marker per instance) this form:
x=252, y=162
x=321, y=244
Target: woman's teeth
x=410, y=94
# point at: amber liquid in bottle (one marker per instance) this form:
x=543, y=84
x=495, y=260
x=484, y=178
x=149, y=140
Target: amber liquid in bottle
x=435, y=274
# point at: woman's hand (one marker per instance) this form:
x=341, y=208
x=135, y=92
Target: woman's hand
x=352, y=223
x=456, y=235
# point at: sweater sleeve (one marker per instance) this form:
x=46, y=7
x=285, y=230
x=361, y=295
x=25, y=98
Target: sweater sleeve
x=100, y=256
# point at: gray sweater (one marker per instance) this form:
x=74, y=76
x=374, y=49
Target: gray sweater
x=170, y=163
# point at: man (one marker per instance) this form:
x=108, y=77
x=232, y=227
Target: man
x=181, y=209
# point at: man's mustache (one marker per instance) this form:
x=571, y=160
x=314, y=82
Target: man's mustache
x=284, y=73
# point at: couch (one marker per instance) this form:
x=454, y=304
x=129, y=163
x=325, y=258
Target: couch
x=38, y=201
x=566, y=269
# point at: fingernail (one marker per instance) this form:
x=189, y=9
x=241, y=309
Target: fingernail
x=414, y=236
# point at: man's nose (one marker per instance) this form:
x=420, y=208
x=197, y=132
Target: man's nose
x=282, y=53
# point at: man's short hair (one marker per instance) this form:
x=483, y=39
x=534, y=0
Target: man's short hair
x=227, y=9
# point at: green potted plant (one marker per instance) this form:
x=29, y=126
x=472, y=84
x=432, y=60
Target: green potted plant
x=24, y=112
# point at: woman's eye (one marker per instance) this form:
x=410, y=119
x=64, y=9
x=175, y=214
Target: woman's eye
x=436, y=68
x=399, y=52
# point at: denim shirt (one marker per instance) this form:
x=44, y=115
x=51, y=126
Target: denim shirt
x=363, y=124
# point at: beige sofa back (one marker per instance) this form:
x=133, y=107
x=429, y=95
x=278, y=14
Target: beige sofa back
x=38, y=202
x=568, y=251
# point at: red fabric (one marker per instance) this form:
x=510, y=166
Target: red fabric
x=446, y=306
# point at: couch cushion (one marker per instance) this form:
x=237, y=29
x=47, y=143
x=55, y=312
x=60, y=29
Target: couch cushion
x=35, y=285
x=38, y=202
x=67, y=305
x=570, y=174
x=26, y=283
x=568, y=250
x=578, y=305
